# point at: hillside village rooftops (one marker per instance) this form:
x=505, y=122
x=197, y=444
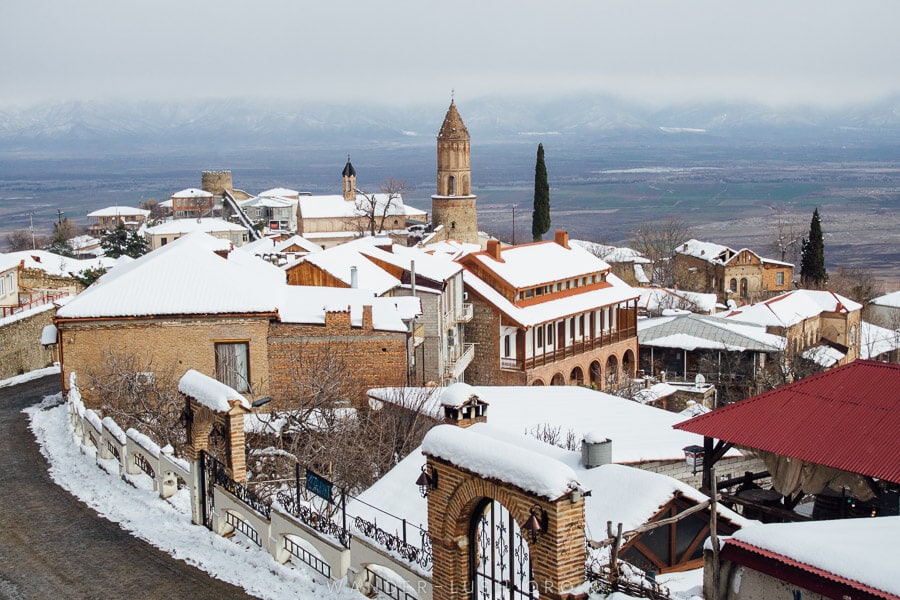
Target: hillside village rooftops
x=182, y=226
x=612, y=254
x=699, y=332
x=655, y=299
x=334, y=206
x=267, y=202
x=271, y=244
x=792, y=307
x=530, y=265
x=555, y=308
x=120, y=211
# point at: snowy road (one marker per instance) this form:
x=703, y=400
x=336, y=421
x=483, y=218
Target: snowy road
x=53, y=546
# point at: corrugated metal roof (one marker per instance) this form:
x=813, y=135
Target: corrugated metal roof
x=847, y=418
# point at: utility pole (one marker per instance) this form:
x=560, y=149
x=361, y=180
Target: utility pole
x=59, y=215
x=514, y=225
x=31, y=228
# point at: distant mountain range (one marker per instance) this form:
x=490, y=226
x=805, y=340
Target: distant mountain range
x=106, y=126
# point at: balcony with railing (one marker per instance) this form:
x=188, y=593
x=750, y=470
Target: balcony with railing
x=32, y=300
x=459, y=357
x=573, y=348
x=463, y=314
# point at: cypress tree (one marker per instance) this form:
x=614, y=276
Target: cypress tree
x=812, y=262
x=540, y=218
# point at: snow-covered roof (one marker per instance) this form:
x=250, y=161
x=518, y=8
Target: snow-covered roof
x=824, y=356
x=875, y=341
x=639, y=433
x=655, y=299
x=719, y=254
x=792, y=307
x=306, y=304
x=530, y=265
x=434, y=267
x=272, y=245
x=268, y=202
x=120, y=211
x=550, y=310
x=338, y=261
x=209, y=392
x=9, y=262
x=612, y=254
x=183, y=277
x=693, y=332
x=280, y=193
x=862, y=550
x=334, y=206
x=55, y=264
x=453, y=249
x=183, y=226
x=192, y=193
x=706, y=250
x=891, y=300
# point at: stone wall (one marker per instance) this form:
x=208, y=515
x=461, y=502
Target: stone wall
x=37, y=279
x=20, y=342
x=216, y=182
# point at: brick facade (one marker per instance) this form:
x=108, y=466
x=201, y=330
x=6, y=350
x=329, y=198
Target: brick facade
x=378, y=358
x=557, y=557
x=167, y=344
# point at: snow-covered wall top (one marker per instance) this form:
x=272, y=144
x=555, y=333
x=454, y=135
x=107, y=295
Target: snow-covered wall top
x=209, y=392
x=500, y=460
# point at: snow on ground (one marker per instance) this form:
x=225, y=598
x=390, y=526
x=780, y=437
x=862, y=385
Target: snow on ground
x=29, y=376
x=164, y=524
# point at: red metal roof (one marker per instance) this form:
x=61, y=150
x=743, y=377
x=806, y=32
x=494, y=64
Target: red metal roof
x=797, y=573
x=847, y=418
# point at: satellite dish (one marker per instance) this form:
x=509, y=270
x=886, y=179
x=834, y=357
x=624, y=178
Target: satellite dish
x=699, y=379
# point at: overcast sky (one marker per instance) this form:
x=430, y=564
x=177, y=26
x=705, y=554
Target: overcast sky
x=417, y=51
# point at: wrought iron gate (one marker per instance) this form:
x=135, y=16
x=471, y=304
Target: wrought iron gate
x=499, y=561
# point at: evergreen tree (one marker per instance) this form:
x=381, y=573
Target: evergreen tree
x=540, y=218
x=121, y=241
x=812, y=262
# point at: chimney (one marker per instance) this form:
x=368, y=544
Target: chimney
x=562, y=238
x=367, y=317
x=354, y=278
x=596, y=450
x=493, y=248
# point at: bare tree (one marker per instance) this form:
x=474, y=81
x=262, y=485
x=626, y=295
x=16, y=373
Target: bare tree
x=658, y=241
x=136, y=393
x=23, y=239
x=373, y=209
x=855, y=283
x=787, y=238
x=157, y=212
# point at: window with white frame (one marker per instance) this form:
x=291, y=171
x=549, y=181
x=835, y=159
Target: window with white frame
x=233, y=365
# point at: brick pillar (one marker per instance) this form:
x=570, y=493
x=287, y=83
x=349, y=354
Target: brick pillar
x=236, y=466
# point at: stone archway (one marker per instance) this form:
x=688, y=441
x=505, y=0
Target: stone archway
x=459, y=499
x=558, y=379
x=596, y=375
x=576, y=377
x=628, y=366
x=538, y=381
x=612, y=370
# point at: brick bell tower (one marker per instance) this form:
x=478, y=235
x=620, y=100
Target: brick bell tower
x=453, y=206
